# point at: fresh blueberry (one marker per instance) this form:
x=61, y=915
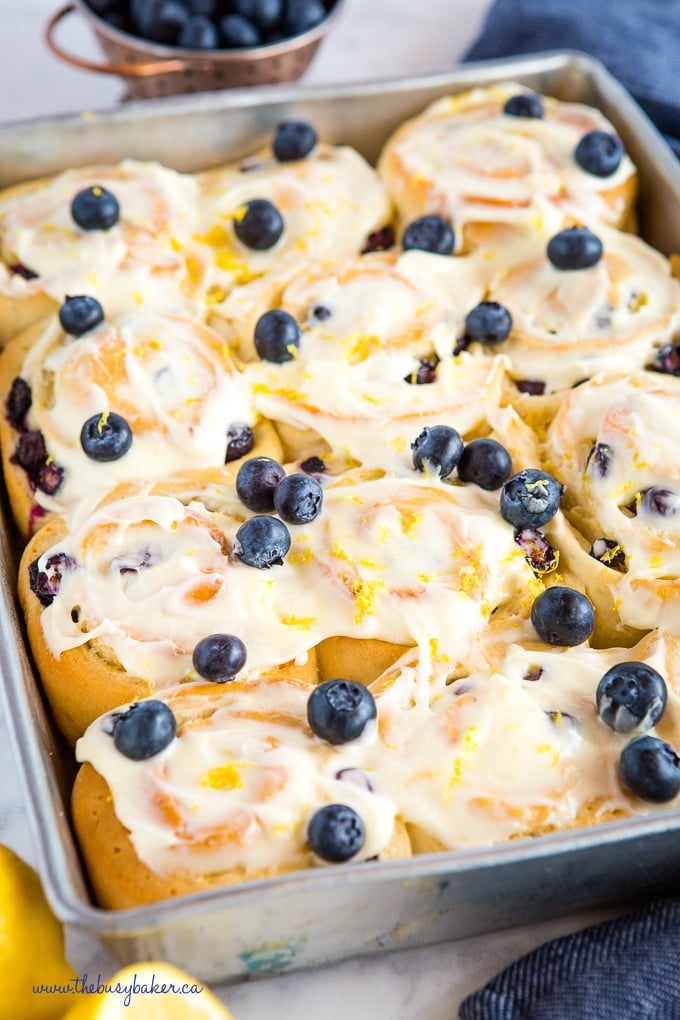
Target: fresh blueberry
x=541, y=556
x=205, y=8
x=30, y=451
x=118, y=19
x=650, y=769
x=563, y=616
x=425, y=374
x=106, y=436
x=524, y=104
x=78, y=315
x=219, y=657
x=335, y=833
x=666, y=360
x=277, y=336
x=102, y=7
x=301, y=15
x=236, y=32
x=18, y=402
x=258, y=224
x=441, y=446
x=485, y=463
x=631, y=696
x=489, y=323
x=144, y=730
x=45, y=583
x=610, y=552
x=256, y=483
x=298, y=499
x=240, y=441
x=95, y=208
x=530, y=498
x=294, y=139
x=339, y=710
x=379, y=240
x=599, y=460
x=159, y=21
x=429, y=233
x=262, y=542
x=198, y=33
x=263, y=13
x=599, y=153
x=574, y=248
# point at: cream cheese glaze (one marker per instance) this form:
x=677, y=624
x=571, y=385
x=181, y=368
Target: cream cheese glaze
x=571, y=324
x=330, y=203
x=170, y=377
x=408, y=560
x=634, y=420
x=492, y=756
x=496, y=755
x=463, y=158
x=138, y=260
x=237, y=788
x=366, y=324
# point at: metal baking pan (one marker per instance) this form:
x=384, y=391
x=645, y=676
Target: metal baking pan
x=326, y=914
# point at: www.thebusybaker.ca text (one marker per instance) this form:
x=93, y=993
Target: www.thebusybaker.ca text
x=82, y=986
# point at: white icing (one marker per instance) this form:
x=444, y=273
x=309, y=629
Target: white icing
x=407, y=560
x=571, y=324
x=489, y=757
x=169, y=377
x=347, y=383
x=329, y=202
x=465, y=159
x=137, y=260
x=636, y=418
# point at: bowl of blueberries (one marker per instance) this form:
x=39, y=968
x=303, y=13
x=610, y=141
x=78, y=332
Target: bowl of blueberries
x=167, y=47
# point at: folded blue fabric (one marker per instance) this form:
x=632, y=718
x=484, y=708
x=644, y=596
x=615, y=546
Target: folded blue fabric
x=625, y=969
x=637, y=40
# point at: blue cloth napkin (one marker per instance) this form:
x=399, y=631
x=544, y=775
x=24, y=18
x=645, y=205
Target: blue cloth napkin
x=627, y=969
x=637, y=40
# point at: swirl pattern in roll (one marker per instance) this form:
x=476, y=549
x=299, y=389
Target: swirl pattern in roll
x=569, y=325
x=330, y=203
x=169, y=377
x=376, y=360
x=229, y=800
x=140, y=259
x=514, y=748
x=613, y=442
x=465, y=159
x=136, y=584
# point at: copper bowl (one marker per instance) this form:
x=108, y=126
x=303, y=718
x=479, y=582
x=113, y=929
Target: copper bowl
x=151, y=70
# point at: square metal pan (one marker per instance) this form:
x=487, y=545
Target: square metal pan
x=331, y=913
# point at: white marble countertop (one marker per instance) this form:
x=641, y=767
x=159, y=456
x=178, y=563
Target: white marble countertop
x=374, y=39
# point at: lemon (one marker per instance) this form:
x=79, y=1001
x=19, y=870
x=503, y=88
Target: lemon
x=146, y=991
x=31, y=946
